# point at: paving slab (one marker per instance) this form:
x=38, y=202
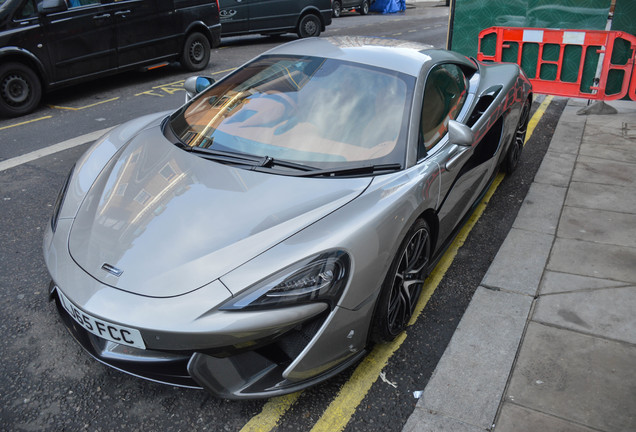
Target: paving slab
x=478, y=359
x=519, y=263
x=541, y=208
x=593, y=259
x=554, y=282
x=568, y=133
x=623, y=106
x=607, y=172
x=576, y=377
x=429, y=421
x=606, y=312
x=514, y=418
x=599, y=226
x=556, y=169
x=611, y=197
x=609, y=146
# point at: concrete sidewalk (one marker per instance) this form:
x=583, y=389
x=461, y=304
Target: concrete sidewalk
x=548, y=342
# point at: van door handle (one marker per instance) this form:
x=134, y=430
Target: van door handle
x=122, y=13
x=100, y=17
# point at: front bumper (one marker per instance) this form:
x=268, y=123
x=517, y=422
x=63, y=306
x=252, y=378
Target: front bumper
x=255, y=372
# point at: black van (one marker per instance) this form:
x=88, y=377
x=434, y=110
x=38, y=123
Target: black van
x=271, y=17
x=46, y=44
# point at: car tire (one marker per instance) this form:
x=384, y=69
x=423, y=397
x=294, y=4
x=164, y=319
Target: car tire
x=196, y=52
x=20, y=89
x=364, y=7
x=309, y=26
x=516, y=146
x=402, y=286
x=336, y=9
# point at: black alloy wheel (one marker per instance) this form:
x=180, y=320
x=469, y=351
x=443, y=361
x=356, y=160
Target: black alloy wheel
x=309, y=26
x=403, y=284
x=518, y=140
x=336, y=9
x=20, y=89
x=196, y=52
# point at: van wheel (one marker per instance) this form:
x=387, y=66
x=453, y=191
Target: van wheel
x=196, y=52
x=20, y=89
x=337, y=9
x=364, y=8
x=309, y=26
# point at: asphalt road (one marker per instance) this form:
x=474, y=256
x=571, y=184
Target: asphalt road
x=48, y=383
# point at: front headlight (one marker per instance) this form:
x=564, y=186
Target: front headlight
x=60, y=200
x=317, y=279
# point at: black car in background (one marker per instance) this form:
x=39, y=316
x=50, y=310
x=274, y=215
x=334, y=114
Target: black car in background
x=47, y=44
x=306, y=18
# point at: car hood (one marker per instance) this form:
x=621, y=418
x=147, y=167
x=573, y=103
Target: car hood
x=161, y=222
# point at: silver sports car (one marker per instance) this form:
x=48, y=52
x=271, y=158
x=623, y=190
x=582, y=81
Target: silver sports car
x=259, y=239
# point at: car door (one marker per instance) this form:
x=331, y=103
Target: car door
x=81, y=40
x=145, y=30
x=234, y=15
x=463, y=168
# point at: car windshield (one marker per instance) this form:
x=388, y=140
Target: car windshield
x=321, y=112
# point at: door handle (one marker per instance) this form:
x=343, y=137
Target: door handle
x=100, y=17
x=122, y=13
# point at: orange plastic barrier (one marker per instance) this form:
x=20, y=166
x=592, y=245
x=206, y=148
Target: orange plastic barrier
x=585, y=41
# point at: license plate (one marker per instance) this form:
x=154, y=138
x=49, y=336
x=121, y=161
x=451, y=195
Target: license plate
x=104, y=329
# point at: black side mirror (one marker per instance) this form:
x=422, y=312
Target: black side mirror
x=52, y=6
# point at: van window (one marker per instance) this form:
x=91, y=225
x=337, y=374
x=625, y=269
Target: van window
x=28, y=10
x=80, y=3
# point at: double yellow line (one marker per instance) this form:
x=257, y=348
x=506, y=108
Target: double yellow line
x=344, y=405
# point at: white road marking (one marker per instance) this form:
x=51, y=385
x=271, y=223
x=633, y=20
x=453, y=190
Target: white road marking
x=64, y=145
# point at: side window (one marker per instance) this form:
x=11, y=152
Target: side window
x=444, y=95
x=80, y=3
x=28, y=10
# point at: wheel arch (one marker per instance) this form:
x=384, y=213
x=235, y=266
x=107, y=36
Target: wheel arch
x=18, y=55
x=314, y=11
x=200, y=27
x=430, y=216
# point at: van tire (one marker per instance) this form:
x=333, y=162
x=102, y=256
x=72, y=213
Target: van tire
x=196, y=52
x=20, y=89
x=364, y=7
x=336, y=6
x=309, y=26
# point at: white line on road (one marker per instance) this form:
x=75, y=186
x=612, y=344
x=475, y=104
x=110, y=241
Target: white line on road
x=64, y=145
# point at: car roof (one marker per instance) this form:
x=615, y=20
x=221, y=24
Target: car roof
x=403, y=56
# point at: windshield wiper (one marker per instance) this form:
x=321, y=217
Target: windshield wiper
x=223, y=156
x=269, y=162
x=256, y=163
x=352, y=171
